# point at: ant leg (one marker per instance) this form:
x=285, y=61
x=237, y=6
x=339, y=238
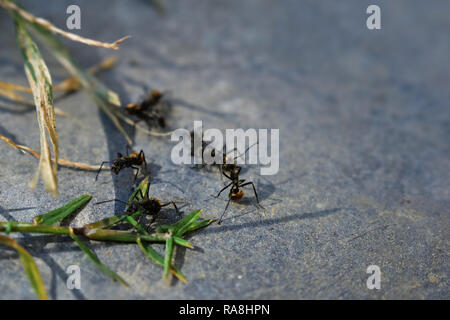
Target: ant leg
x=223, y=172
x=100, y=169
x=127, y=148
x=140, y=193
x=174, y=205
x=224, y=189
x=141, y=154
x=223, y=213
x=137, y=172
x=147, y=191
x=254, y=189
x=110, y=201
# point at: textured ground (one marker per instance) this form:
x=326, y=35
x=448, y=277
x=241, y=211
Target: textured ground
x=364, y=125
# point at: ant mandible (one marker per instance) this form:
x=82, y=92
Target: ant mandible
x=128, y=161
x=236, y=193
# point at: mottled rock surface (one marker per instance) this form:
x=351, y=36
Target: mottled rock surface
x=364, y=123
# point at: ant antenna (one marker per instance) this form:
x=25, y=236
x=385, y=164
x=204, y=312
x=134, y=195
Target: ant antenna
x=246, y=150
x=100, y=169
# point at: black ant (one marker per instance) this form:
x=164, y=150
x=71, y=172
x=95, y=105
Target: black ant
x=150, y=109
x=148, y=206
x=128, y=161
x=236, y=184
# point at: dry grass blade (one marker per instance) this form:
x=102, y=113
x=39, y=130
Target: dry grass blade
x=102, y=96
x=29, y=265
x=49, y=26
x=8, y=90
x=73, y=83
x=62, y=162
x=70, y=84
x=41, y=85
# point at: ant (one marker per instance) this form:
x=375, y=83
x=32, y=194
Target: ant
x=148, y=206
x=149, y=109
x=236, y=184
x=128, y=161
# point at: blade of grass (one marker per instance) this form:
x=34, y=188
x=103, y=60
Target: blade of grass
x=73, y=83
x=51, y=28
x=193, y=216
x=41, y=85
x=29, y=265
x=60, y=213
x=62, y=162
x=183, y=242
x=168, y=257
x=143, y=186
x=93, y=234
x=69, y=84
x=96, y=260
x=195, y=226
x=159, y=260
x=102, y=96
x=110, y=221
x=135, y=224
x=121, y=236
x=32, y=228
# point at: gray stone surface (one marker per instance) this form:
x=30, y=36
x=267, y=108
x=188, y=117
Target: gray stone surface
x=364, y=127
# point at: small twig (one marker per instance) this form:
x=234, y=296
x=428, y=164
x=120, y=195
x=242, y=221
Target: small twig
x=73, y=83
x=62, y=162
x=49, y=26
x=70, y=84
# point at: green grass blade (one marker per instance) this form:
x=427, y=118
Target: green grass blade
x=96, y=260
x=195, y=226
x=143, y=186
x=29, y=265
x=135, y=224
x=33, y=228
x=111, y=221
x=159, y=260
x=168, y=257
x=174, y=228
x=122, y=236
x=189, y=219
x=182, y=242
x=60, y=213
